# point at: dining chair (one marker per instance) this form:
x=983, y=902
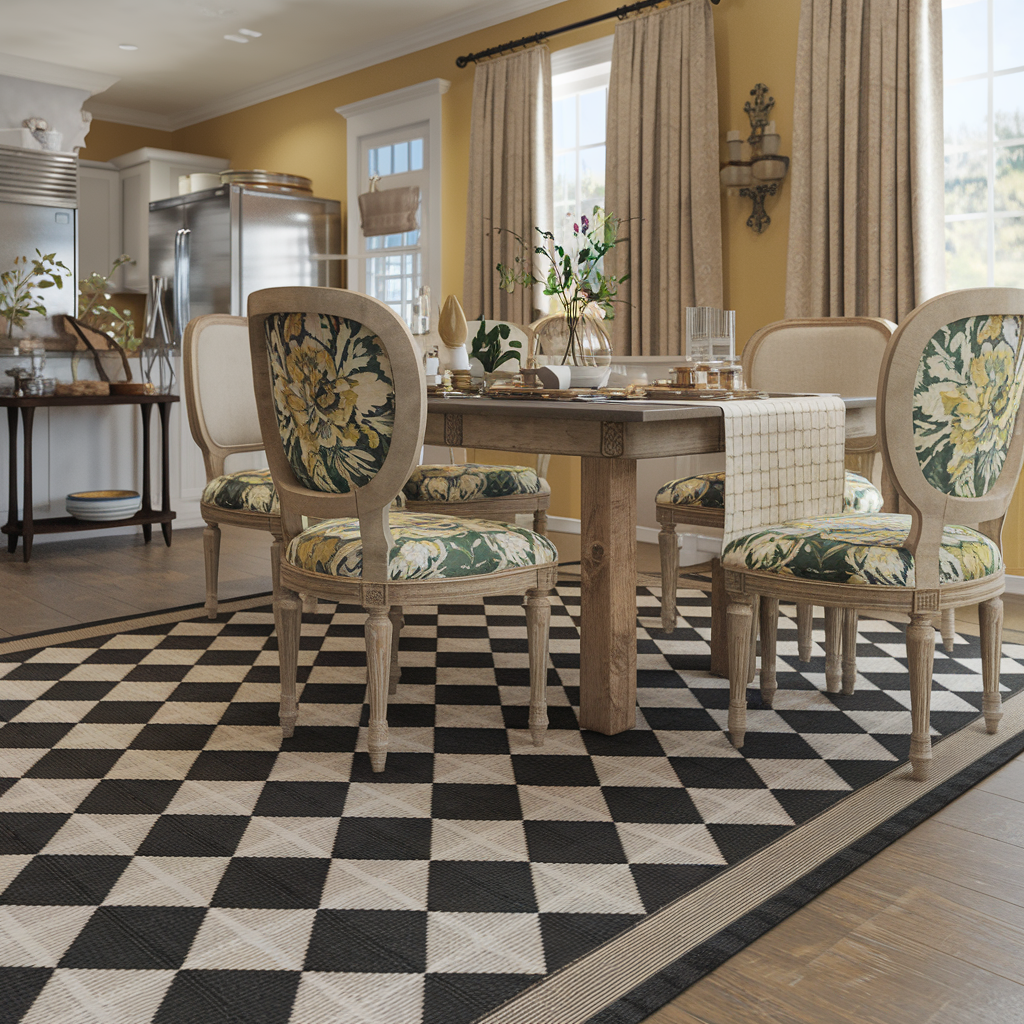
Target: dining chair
x=838, y=355
x=341, y=399
x=222, y=416
x=952, y=437
x=476, y=489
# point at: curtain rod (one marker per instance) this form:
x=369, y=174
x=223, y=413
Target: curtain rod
x=619, y=12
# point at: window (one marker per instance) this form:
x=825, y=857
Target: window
x=983, y=111
x=579, y=97
x=398, y=159
x=397, y=137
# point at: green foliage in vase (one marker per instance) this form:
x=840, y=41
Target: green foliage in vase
x=575, y=276
x=487, y=346
x=17, y=301
x=95, y=309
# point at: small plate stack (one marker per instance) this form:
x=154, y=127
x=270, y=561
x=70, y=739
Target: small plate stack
x=103, y=506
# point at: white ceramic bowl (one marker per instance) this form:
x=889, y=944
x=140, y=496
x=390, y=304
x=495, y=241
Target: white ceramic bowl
x=101, y=506
x=588, y=376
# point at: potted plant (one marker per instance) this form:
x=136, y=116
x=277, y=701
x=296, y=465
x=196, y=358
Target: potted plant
x=17, y=286
x=95, y=308
x=577, y=278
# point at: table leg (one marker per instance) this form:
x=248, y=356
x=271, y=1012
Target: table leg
x=28, y=414
x=12, y=479
x=165, y=468
x=608, y=599
x=146, y=409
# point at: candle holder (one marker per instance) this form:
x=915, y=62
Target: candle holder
x=763, y=173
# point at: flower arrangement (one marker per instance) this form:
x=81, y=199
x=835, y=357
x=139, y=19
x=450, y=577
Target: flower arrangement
x=575, y=276
x=17, y=301
x=96, y=311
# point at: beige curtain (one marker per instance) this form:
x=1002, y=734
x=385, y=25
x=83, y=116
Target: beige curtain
x=866, y=227
x=662, y=175
x=509, y=179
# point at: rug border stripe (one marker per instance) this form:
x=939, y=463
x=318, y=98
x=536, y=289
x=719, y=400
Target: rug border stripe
x=87, y=630
x=606, y=975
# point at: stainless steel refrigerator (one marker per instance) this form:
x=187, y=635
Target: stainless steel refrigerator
x=215, y=247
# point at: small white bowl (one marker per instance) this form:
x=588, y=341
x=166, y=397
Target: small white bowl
x=103, y=506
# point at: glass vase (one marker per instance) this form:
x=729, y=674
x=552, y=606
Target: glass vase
x=554, y=341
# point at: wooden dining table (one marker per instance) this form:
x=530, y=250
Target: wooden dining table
x=609, y=437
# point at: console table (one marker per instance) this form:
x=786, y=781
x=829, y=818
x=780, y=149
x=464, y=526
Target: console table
x=27, y=527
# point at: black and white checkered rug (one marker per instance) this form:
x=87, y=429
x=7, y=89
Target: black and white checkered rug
x=166, y=857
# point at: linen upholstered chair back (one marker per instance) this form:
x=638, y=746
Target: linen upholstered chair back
x=218, y=389
x=841, y=355
x=951, y=417
x=342, y=405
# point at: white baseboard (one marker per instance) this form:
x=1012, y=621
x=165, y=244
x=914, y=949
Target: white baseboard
x=1014, y=584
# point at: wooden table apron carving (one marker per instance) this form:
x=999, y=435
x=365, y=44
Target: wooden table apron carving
x=609, y=437
x=27, y=527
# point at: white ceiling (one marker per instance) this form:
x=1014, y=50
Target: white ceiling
x=185, y=71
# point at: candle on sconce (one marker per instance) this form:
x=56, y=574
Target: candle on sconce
x=734, y=143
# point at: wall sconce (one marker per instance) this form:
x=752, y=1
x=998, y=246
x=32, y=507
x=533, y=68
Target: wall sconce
x=762, y=174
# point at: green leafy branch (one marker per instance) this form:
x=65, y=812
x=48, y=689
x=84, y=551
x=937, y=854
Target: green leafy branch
x=95, y=308
x=17, y=301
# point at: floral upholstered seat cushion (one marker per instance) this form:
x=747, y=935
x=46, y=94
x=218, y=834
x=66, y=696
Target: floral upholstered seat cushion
x=469, y=481
x=251, y=490
x=859, y=549
x=425, y=547
x=860, y=494
x=708, y=491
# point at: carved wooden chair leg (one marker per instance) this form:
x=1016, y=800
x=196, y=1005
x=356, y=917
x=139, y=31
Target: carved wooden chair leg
x=669, y=549
x=538, y=622
x=211, y=556
x=738, y=615
x=752, y=658
x=378, y=660
x=833, y=644
x=540, y=522
x=804, y=628
x=397, y=622
x=719, y=627
x=850, y=621
x=288, y=613
x=769, y=618
x=920, y=658
x=990, y=619
x=947, y=626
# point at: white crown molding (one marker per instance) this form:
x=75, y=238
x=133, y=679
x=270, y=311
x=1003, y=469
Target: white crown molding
x=441, y=31
x=133, y=117
x=433, y=87
x=55, y=74
x=147, y=153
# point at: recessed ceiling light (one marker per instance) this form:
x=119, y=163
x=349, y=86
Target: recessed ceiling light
x=237, y=39
x=251, y=33
x=127, y=46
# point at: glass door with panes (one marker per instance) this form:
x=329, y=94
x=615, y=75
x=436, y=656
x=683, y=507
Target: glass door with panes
x=390, y=267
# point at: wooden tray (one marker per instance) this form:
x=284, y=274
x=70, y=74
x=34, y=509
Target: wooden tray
x=701, y=394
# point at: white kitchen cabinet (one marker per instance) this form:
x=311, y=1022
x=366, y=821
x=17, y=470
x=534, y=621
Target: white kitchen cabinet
x=99, y=217
x=147, y=175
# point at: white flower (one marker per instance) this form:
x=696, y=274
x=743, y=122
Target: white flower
x=415, y=558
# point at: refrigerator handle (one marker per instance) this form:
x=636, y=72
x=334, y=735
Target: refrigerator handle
x=182, y=260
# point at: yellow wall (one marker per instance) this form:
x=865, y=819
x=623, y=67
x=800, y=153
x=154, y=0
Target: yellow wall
x=300, y=133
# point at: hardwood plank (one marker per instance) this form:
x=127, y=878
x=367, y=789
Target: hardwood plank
x=1008, y=782
x=986, y=814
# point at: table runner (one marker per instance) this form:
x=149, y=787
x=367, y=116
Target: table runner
x=783, y=460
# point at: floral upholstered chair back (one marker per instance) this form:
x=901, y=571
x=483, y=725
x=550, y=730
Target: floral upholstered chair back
x=341, y=397
x=950, y=392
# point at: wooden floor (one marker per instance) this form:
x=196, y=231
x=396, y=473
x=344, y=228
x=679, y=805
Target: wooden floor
x=931, y=931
